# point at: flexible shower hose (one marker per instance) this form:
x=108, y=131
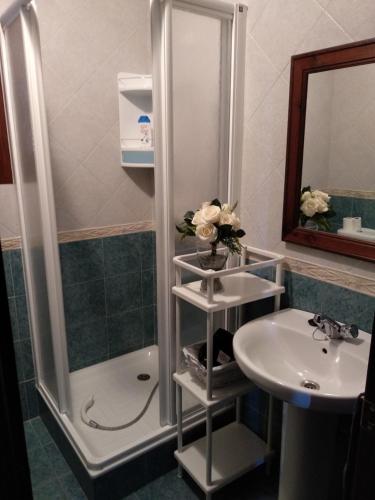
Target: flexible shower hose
x=92, y=423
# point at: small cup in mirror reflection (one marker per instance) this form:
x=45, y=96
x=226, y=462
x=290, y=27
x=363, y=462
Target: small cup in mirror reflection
x=348, y=224
x=357, y=221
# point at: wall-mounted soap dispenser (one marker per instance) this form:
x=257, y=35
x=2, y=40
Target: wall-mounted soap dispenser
x=136, y=123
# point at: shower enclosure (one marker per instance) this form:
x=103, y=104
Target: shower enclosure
x=197, y=107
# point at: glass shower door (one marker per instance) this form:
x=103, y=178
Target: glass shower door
x=20, y=53
x=198, y=59
x=201, y=117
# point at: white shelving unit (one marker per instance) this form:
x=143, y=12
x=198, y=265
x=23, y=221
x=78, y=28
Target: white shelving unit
x=224, y=455
x=135, y=100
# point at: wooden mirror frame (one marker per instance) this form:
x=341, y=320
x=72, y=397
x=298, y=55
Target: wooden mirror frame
x=353, y=54
x=5, y=161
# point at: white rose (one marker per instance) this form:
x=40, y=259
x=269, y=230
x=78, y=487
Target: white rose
x=310, y=206
x=206, y=232
x=226, y=218
x=305, y=196
x=321, y=194
x=322, y=206
x=226, y=208
x=205, y=204
x=211, y=214
x=197, y=219
x=236, y=222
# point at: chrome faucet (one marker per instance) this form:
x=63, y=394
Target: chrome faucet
x=332, y=328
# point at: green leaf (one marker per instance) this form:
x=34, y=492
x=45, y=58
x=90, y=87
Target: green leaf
x=322, y=222
x=216, y=202
x=225, y=231
x=188, y=217
x=186, y=229
x=331, y=213
x=303, y=218
x=240, y=233
x=234, y=207
x=306, y=188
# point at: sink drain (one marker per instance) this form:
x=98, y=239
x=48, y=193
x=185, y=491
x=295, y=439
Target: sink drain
x=143, y=376
x=310, y=384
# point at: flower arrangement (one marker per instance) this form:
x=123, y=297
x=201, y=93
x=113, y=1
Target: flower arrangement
x=214, y=223
x=315, y=206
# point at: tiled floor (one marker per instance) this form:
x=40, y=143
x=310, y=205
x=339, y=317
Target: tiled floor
x=52, y=478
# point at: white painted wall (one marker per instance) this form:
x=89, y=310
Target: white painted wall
x=276, y=30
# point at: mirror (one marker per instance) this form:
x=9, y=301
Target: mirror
x=329, y=199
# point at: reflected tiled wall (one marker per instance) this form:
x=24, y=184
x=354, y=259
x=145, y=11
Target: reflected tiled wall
x=110, y=303
x=346, y=206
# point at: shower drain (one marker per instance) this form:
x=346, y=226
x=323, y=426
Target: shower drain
x=143, y=376
x=310, y=384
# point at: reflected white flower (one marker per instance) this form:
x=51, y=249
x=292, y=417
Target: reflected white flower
x=321, y=194
x=305, y=196
x=310, y=206
x=322, y=206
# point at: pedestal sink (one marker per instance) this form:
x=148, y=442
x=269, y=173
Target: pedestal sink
x=317, y=380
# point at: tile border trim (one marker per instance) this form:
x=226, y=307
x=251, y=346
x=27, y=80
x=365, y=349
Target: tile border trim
x=88, y=234
x=336, y=277
x=351, y=193
x=321, y=273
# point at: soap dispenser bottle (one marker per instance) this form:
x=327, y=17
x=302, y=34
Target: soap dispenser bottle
x=145, y=130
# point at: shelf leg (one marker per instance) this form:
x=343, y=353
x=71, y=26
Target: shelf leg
x=209, y=333
x=209, y=447
x=269, y=433
x=179, y=471
x=179, y=417
x=179, y=425
x=178, y=335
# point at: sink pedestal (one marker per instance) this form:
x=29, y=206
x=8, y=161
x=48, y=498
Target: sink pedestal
x=307, y=454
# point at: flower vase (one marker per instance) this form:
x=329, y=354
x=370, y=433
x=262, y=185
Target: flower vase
x=214, y=261
x=312, y=225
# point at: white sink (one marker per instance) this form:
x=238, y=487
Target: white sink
x=277, y=352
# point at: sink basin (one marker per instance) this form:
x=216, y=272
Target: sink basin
x=277, y=352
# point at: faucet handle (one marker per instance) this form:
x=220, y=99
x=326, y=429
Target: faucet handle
x=316, y=320
x=351, y=330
